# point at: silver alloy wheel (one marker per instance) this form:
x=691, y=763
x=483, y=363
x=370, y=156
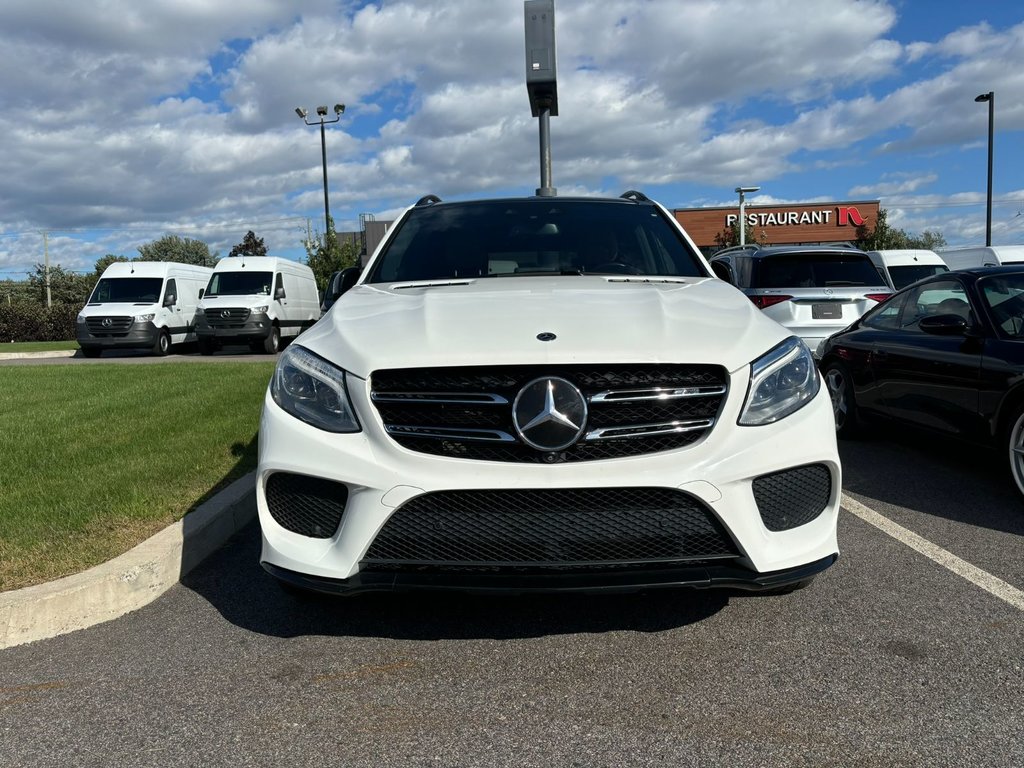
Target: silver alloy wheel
x=1015, y=450
x=838, y=392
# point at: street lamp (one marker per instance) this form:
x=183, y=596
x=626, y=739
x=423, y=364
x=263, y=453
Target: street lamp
x=339, y=110
x=743, y=224
x=990, y=97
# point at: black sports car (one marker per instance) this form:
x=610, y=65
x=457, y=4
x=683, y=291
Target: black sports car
x=944, y=354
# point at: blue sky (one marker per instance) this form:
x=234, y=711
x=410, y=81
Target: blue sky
x=124, y=121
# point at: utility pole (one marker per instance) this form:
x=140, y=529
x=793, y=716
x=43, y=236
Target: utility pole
x=46, y=271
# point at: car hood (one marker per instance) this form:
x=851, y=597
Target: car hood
x=496, y=321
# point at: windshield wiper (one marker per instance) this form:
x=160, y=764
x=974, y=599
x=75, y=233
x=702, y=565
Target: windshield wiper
x=534, y=272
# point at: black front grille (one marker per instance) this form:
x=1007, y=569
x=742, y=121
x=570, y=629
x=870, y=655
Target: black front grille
x=309, y=506
x=550, y=528
x=109, y=325
x=793, y=497
x=417, y=408
x=232, y=317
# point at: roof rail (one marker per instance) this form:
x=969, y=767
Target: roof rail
x=636, y=197
x=428, y=200
x=745, y=247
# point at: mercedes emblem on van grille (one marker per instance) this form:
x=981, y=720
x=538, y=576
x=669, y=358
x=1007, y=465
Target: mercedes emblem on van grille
x=549, y=413
x=225, y=313
x=106, y=322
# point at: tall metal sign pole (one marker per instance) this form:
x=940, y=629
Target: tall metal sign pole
x=541, y=80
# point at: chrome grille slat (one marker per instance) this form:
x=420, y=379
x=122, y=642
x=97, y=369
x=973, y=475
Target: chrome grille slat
x=466, y=412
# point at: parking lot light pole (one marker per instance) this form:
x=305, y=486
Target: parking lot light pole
x=742, y=221
x=990, y=97
x=339, y=110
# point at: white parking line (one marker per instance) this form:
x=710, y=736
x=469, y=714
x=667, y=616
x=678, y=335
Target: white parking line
x=972, y=573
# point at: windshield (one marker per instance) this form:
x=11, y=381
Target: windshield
x=504, y=238
x=817, y=270
x=133, y=290
x=240, y=284
x=911, y=273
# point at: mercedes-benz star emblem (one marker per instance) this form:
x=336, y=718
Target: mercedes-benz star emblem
x=549, y=413
x=225, y=313
x=546, y=336
x=106, y=322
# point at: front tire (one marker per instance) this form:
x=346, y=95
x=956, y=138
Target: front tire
x=1014, y=445
x=272, y=344
x=844, y=403
x=162, y=345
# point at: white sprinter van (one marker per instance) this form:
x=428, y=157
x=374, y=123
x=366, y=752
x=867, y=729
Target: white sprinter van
x=256, y=301
x=142, y=305
x=982, y=256
x=902, y=267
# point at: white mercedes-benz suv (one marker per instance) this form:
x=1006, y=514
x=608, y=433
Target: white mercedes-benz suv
x=545, y=394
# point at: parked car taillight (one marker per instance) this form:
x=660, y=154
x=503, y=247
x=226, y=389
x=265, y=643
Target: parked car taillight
x=763, y=302
x=878, y=296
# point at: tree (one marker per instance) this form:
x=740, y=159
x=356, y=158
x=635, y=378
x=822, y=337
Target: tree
x=886, y=237
x=730, y=236
x=183, y=250
x=65, y=287
x=928, y=240
x=326, y=254
x=250, y=246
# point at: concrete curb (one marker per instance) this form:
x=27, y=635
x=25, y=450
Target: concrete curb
x=30, y=355
x=129, y=581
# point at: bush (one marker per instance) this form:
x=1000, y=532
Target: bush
x=29, y=321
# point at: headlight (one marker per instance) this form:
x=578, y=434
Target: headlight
x=145, y=318
x=313, y=390
x=80, y=319
x=781, y=382
x=260, y=310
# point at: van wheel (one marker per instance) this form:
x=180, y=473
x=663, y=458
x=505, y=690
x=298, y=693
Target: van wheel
x=272, y=343
x=163, y=344
x=91, y=351
x=844, y=405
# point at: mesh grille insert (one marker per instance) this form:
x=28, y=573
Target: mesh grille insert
x=793, y=497
x=550, y=528
x=309, y=506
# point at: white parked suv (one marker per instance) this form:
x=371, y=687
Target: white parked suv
x=545, y=394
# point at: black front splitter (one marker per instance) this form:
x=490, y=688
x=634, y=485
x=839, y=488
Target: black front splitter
x=693, y=577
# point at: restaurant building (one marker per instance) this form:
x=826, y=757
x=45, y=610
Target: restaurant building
x=801, y=224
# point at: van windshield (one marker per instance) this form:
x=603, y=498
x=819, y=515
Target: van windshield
x=133, y=290
x=240, y=284
x=911, y=273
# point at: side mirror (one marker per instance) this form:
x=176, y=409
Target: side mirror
x=170, y=300
x=201, y=292
x=721, y=270
x=349, y=277
x=944, y=325
x=279, y=293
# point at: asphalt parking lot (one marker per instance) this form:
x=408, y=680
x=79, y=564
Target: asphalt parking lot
x=891, y=658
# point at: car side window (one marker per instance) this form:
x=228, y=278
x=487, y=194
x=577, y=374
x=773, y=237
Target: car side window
x=886, y=316
x=942, y=297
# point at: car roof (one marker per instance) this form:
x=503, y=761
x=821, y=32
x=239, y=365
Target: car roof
x=630, y=197
x=769, y=251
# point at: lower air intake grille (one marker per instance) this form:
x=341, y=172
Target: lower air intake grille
x=305, y=505
x=550, y=528
x=793, y=497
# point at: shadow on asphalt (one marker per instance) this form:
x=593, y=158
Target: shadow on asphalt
x=935, y=475
x=235, y=584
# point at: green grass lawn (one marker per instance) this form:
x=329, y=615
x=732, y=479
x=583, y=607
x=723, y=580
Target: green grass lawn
x=95, y=459
x=38, y=346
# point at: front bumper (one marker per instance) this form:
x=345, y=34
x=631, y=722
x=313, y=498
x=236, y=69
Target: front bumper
x=255, y=328
x=137, y=336
x=382, y=477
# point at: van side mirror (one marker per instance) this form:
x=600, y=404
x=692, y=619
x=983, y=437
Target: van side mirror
x=279, y=293
x=201, y=292
x=170, y=300
x=721, y=270
x=349, y=277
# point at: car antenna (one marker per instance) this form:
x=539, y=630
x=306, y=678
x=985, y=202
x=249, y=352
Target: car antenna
x=541, y=80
